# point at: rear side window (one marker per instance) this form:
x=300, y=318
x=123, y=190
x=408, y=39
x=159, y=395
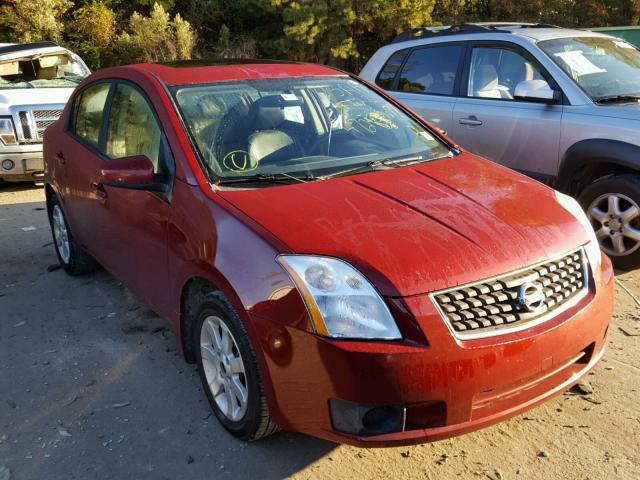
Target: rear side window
x=133, y=129
x=89, y=111
x=431, y=70
x=388, y=73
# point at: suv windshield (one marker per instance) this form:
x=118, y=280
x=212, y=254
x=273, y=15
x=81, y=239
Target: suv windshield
x=60, y=69
x=307, y=127
x=605, y=68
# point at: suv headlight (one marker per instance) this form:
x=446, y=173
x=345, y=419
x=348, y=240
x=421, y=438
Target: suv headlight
x=7, y=133
x=593, y=247
x=341, y=301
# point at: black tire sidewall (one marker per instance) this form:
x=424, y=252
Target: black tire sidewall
x=215, y=304
x=628, y=185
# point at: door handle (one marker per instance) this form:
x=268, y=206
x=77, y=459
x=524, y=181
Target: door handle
x=470, y=120
x=60, y=157
x=99, y=191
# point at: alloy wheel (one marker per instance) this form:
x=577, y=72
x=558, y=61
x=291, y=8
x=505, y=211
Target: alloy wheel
x=61, y=234
x=616, y=221
x=224, y=368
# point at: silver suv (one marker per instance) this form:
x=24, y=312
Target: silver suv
x=559, y=105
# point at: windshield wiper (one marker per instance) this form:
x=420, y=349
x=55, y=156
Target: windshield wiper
x=268, y=178
x=367, y=167
x=618, y=98
x=401, y=162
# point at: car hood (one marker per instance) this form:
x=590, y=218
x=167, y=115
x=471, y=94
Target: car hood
x=421, y=228
x=10, y=97
x=629, y=111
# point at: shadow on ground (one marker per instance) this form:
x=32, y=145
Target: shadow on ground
x=91, y=385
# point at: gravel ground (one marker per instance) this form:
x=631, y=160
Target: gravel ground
x=91, y=386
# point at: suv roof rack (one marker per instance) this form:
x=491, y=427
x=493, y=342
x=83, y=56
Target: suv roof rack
x=26, y=46
x=458, y=29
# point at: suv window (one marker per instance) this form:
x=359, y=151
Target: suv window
x=431, y=70
x=133, y=129
x=89, y=111
x=495, y=73
x=388, y=73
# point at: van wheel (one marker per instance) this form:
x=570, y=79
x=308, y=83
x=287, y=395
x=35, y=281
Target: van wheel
x=613, y=207
x=229, y=371
x=72, y=257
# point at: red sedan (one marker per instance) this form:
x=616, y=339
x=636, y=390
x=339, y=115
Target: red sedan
x=333, y=264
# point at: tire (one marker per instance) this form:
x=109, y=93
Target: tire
x=249, y=420
x=613, y=207
x=72, y=257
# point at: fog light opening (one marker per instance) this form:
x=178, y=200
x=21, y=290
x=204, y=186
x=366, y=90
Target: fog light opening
x=357, y=419
x=8, y=164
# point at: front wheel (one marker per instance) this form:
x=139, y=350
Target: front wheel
x=613, y=207
x=229, y=371
x=72, y=257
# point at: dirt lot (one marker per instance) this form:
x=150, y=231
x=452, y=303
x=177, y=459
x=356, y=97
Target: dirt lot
x=91, y=387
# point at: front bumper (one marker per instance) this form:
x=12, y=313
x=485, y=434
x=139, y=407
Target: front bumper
x=469, y=383
x=27, y=163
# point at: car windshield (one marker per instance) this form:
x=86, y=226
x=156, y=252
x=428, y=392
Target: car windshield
x=52, y=70
x=308, y=126
x=603, y=67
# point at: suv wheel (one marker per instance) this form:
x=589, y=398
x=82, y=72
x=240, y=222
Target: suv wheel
x=229, y=371
x=613, y=206
x=72, y=257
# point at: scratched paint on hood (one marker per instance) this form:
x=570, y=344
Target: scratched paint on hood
x=413, y=230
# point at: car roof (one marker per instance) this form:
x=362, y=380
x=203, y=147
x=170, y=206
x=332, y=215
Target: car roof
x=210, y=71
x=538, y=34
x=488, y=30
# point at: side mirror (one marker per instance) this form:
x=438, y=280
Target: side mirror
x=536, y=91
x=135, y=172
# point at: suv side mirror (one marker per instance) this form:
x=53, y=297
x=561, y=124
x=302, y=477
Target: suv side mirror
x=134, y=172
x=536, y=91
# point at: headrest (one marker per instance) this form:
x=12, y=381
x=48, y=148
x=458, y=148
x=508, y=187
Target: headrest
x=268, y=112
x=485, y=78
x=265, y=143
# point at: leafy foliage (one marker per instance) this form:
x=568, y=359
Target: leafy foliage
x=338, y=32
x=33, y=20
x=92, y=31
x=156, y=38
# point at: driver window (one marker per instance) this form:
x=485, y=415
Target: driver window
x=132, y=128
x=496, y=72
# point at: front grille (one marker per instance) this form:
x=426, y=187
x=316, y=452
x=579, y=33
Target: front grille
x=514, y=299
x=24, y=124
x=32, y=121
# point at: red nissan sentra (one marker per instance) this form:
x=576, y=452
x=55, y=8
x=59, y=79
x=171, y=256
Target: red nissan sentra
x=333, y=264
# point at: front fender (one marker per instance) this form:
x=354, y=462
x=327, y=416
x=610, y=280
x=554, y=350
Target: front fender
x=599, y=154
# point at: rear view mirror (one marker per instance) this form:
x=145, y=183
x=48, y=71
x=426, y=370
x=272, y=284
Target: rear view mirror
x=536, y=91
x=135, y=172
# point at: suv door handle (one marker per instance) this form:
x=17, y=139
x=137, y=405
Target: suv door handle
x=99, y=191
x=60, y=157
x=470, y=120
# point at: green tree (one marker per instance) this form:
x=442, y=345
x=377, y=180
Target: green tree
x=92, y=31
x=155, y=38
x=33, y=20
x=345, y=32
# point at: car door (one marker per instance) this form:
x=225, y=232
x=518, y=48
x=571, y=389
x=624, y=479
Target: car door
x=79, y=161
x=135, y=221
x=427, y=81
x=490, y=122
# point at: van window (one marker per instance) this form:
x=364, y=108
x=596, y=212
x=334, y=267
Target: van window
x=431, y=70
x=388, y=73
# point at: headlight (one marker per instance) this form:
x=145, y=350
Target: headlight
x=7, y=134
x=574, y=208
x=341, y=301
